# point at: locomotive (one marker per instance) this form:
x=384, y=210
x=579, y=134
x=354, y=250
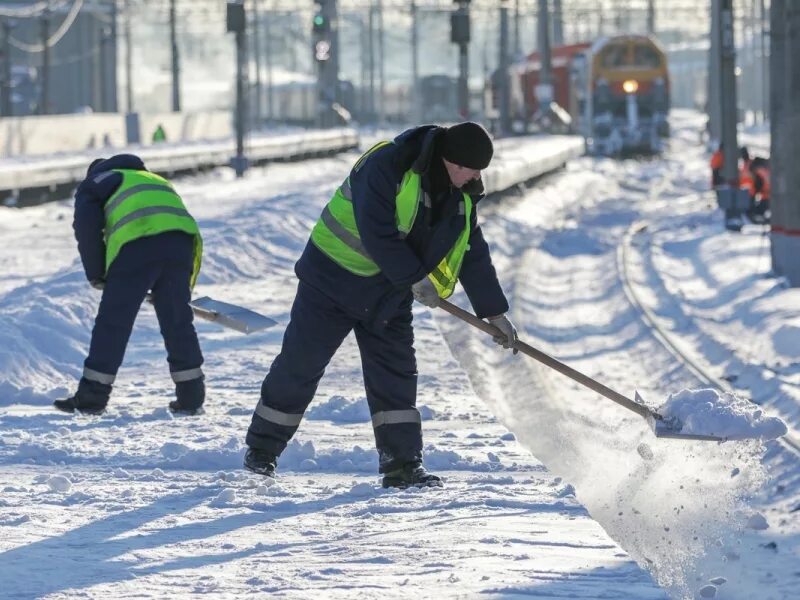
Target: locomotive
x=615, y=91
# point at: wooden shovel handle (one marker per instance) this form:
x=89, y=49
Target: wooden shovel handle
x=548, y=360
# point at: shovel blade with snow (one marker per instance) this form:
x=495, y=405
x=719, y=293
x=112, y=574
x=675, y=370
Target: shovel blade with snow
x=229, y=315
x=671, y=428
x=663, y=428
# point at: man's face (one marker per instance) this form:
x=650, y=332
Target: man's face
x=460, y=175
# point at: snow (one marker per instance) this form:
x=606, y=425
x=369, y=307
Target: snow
x=683, y=512
x=709, y=412
x=550, y=490
x=137, y=502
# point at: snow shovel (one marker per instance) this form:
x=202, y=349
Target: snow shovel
x=228, y=315
x=663, y=428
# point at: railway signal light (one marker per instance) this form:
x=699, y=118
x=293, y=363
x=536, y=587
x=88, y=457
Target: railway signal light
x=320, y=23
x=322, y=50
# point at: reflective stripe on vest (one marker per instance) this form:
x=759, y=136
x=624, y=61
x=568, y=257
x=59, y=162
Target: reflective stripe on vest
x=144, y=205
x=336, y=233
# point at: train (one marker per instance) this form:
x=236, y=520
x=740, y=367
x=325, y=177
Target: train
x=615, y=92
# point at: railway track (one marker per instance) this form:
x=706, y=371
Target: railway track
x=790, y=442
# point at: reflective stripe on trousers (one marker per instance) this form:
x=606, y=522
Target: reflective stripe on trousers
x=97, y=376
x=395, y=417
x=278, y=417
x=187, y=375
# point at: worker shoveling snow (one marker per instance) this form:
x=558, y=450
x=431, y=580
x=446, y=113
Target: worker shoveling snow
x=723, y=415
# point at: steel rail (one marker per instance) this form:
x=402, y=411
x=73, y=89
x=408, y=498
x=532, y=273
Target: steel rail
x=791, y=441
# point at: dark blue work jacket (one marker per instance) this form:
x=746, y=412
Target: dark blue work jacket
x=404, y=261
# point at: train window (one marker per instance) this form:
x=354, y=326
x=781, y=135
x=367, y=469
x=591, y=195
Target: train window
x=645, y=56
x=614, y=56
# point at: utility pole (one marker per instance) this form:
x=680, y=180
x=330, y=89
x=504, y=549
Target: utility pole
x=416, y=104
x=785, y=144
x=44, y=101
x=713, y=103
x=558, y=24
x=651, y=17
x=102, y=80
x=371, y=53
x=176, y=68
x=324, y=30
x=268, y=51
x=5, y=96
x=363, y=43
x=504, y=101
x=237, y=24
x=517, y=40
x=733, y=200
x=128, y=60
x=381, y=66
x=113, y=75
x=460, y=34
x=257, y=53
x=544, y=91
x=765, y=102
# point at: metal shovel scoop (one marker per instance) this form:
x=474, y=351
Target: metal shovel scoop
x=662, y=427
x=231, y=316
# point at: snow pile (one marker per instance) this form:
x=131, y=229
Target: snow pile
x=707, y=412
x=341, y=410
x=786, y=340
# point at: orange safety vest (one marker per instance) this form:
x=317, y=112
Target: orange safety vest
x=746, y=180
x=763, y=174
x=716, y=169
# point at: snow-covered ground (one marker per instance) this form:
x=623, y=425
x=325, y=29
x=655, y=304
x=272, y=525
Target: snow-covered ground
x=136, y=503
x=682, y=512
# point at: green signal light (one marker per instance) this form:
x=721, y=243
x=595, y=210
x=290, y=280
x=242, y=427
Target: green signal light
x=319, y=20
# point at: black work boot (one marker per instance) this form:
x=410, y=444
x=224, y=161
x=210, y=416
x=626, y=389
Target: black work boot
x=178, y=409
x=90, y=399
x=189, y=397
x=260, y=462
x=73, y=403
x=411, y=474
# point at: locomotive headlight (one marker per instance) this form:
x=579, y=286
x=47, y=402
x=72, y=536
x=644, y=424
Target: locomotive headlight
x=630, y=86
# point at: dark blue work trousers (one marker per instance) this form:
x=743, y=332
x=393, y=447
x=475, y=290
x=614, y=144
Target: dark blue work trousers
x=317, y=328
x=161, y=264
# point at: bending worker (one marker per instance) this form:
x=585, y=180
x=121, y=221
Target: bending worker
x=135, y=235
x=403, y=225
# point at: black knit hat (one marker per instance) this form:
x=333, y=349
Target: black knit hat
x=467, y=144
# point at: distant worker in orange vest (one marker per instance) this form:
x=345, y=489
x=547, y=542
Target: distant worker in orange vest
x=716, y=167
x=746, y=179
x=759, y=167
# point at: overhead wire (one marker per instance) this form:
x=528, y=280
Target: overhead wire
x=25, y=12
x=57, y=35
